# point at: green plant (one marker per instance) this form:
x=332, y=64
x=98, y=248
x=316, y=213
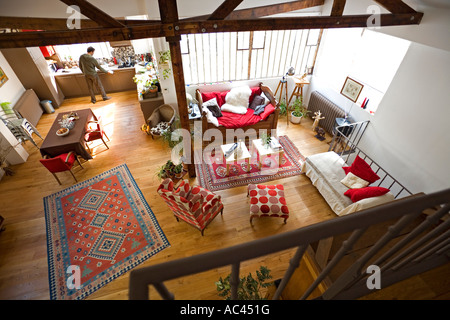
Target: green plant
x=164, y=57
x=249, y=288
x=266, y=139
x=178, y=168
x=283, y=108
x=166, y=73
x=298, y=109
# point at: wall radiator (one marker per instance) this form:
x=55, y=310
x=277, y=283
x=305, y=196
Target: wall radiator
x=328, y=109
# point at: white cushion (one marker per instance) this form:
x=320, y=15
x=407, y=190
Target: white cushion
x=354, y=182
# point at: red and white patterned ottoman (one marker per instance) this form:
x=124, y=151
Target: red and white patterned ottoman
x=267, y=201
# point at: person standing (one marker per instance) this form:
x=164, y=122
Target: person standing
x=88, y=65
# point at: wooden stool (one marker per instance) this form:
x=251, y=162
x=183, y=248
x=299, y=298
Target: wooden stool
x=298, y=90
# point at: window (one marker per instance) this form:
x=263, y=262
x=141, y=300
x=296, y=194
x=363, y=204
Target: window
x=74, y=51
x=217, y=57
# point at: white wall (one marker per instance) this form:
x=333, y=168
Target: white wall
x=409, y=133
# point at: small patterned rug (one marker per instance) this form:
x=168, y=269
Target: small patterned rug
x=212, y=172
x=96, y=231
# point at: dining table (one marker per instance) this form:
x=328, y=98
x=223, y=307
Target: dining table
x=55, y=145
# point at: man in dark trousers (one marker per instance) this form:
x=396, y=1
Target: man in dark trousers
x=87, y=64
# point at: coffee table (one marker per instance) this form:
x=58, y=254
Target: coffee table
x=264, y=152
x=234, y=157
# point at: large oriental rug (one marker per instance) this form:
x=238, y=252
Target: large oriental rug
x=211, y=172
x=98, y=229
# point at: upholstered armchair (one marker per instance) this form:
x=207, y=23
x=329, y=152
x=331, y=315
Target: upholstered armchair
x=160, y=120
x=193, y=204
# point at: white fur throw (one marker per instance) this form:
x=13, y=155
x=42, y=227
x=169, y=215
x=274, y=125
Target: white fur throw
x=236, y=100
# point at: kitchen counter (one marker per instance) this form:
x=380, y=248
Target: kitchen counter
x=73, y=83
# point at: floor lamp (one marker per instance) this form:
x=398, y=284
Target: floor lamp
x=283, y=85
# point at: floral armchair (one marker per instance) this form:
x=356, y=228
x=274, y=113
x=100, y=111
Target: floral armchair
x=195, y=205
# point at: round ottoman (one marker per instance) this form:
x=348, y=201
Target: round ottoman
x=267, y=201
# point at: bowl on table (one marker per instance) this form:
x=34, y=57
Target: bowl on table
x=62, y=132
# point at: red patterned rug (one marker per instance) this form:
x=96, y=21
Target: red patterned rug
x=97, y=230
x=213, y=176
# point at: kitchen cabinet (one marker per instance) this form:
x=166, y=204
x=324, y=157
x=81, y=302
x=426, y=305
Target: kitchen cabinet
x=73, y=84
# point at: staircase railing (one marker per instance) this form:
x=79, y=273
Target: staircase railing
x=426, y=246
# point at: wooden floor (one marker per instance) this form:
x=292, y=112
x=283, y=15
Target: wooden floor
x=23, y=247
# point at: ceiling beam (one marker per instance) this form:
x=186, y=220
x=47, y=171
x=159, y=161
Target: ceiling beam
x=338, y=8
x=395, y=6
x=264, y=11
x=224, y=9
x=94, y=13
x=28, y=23
x=42, y=38
x=269, y=10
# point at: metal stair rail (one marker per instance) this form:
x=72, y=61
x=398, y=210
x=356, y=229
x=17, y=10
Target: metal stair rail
x=425, y=247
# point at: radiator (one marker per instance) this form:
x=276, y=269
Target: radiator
x=328, y=109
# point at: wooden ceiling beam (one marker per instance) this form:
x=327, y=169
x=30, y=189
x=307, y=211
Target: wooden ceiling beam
x=338, y=8
x=224, y=9
x=396, y=6
x=263, y=11
x=47, y=24
x=269, y=10
x=42, y=38
x=95, y=14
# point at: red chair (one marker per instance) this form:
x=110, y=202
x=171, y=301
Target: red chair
x=63, y=162
x=193, y=204
x=95, y=132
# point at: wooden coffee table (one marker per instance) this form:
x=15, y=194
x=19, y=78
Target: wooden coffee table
x=234, y=157
x=264, y=152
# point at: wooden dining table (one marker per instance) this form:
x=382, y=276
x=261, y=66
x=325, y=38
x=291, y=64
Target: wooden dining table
x=55, y=145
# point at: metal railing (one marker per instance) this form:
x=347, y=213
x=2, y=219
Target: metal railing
x=426, y=246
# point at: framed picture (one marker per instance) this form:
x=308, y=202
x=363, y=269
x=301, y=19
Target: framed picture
x=3, y=77
x=351, y=89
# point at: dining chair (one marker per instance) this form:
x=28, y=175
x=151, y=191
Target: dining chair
x=94, y=132
x=60, y=163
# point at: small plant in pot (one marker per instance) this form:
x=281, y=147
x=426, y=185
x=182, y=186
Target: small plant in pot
x=298, y=111
x=166, y=170
x=266, y=139
x=178, y=171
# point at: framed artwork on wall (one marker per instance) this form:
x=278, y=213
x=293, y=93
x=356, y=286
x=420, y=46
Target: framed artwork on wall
x=3, y=77
x=351, y=89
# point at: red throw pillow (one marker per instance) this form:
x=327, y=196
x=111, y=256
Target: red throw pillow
x=268, y=110
x=361, y=169
x=367, y=192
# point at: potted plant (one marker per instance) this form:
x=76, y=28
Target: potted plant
x=150, y=89
x=298, y=111
x=266, y=139
x=249, y=288
x=178, y=171
x=164, y=58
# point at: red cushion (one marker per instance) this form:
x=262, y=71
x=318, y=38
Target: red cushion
x=367, y=192
x=268, y=110
x=362, y=169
